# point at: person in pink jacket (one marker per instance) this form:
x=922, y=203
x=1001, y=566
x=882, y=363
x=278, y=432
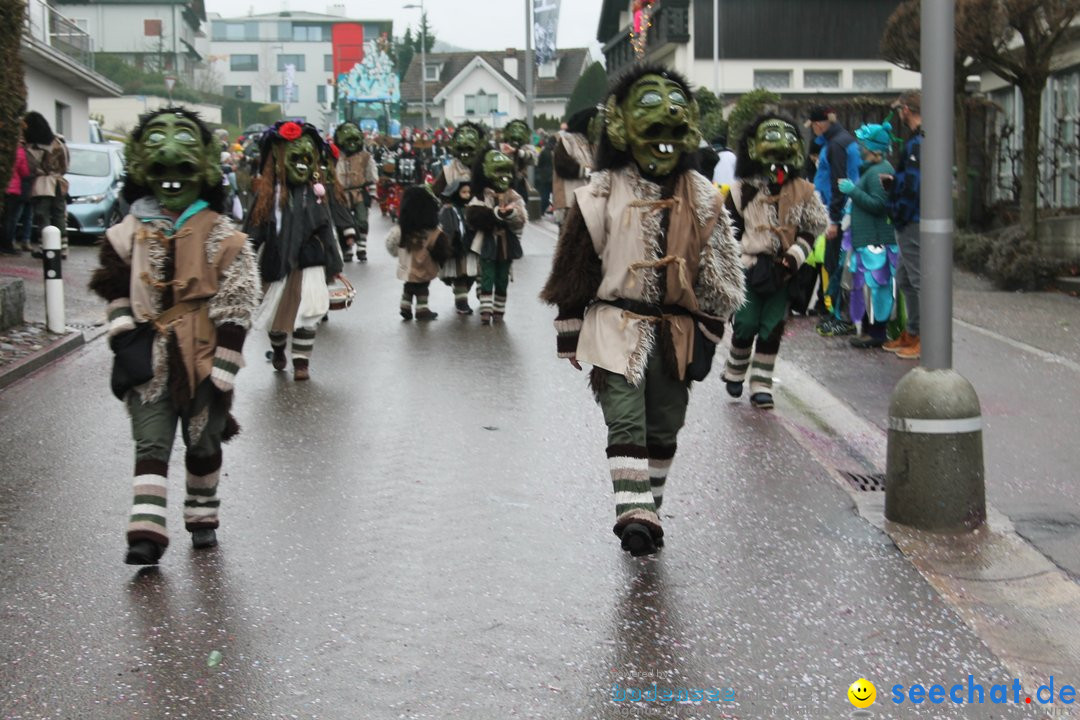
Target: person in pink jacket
x=13, y=201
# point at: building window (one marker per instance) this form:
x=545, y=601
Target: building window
x=308, y=33
x=328, y=63
x=296, y=60
x=234, y=31
x=62, y=126
x=481, y=104
x=871, y=80
x=152, y=28
x=80, y=23
x=243, y=63
x=821, y=79
x=772, y=79
x=278, y=95
x=237, y=92
x=431, y=73
x=321, y=93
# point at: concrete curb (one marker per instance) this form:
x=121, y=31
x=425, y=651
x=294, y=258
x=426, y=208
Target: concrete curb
x=32, y=363
x=1020, y=604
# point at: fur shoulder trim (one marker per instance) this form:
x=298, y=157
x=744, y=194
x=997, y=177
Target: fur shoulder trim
x=600, y=183
x=705, y=196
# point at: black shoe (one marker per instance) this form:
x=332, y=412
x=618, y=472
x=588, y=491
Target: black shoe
x=143, y=552
x=637, y=540
x=734, y=389
x=865, y=342
x=9, y=251
x=361, y=256
x=203, y=538
x=762, y=400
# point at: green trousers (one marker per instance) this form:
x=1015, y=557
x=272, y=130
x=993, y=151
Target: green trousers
x=759, y=327
x=494, y=279
x=153, y=426
x=643, y=426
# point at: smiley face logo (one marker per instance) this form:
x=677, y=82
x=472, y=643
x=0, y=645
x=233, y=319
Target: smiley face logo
x=862, y=693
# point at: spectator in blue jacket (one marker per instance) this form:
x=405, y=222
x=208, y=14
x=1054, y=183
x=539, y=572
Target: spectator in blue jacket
x=904, y=209
x=839, y=159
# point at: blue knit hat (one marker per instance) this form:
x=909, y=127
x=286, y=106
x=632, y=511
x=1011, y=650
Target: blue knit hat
x=875, y=138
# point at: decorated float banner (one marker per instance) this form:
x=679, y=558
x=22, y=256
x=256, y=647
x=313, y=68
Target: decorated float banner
x=545, y=28
x=363, y=69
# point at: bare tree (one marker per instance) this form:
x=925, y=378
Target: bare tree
x=1016, y=40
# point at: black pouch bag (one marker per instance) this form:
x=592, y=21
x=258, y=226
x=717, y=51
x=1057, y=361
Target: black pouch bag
x=801, y=289
x=761, y=278
x=132, y=359
x=704, y=350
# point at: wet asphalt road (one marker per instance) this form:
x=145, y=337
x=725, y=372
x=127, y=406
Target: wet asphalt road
x=423, y=531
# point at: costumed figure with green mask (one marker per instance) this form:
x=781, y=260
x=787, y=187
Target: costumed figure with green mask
x=517, y=143
x=574, y=158
x=468, y=141
x=420, y=246
x=461, y=268
x=357, y=175
x=337, y=203
x=292, y=230
x=181, y=286
x=646, y=272
x=776, y=215
x=497, y=215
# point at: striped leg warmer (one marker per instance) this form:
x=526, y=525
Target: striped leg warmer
x=660, y=459
x=461, y=295
x=201, y=503
x=421, y=302
x=761, y=370
x=738, y=361
x=406, y=303
x=487, y=305
x=633, y=496
x=499, y=306
x=303, y=341
x=147, y=521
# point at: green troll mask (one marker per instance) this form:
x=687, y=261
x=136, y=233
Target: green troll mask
x=172, y=160
x=778, y=147
x=499, y=170
x=657, y=123
x=466, y=144
x=349, y=138
x=301, y=160
x=517, y=133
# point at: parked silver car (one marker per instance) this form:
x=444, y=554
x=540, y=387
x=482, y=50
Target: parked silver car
x=95, y=176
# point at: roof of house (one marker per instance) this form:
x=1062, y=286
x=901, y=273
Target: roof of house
x=571, y=64
x=303, y=15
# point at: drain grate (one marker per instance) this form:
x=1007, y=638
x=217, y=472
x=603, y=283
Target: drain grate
x=874, y=482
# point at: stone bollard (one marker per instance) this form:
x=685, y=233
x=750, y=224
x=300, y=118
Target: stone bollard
x=934, y=468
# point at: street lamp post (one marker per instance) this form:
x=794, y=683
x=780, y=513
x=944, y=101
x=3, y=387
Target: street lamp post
x=423, y=63
x=934, y=466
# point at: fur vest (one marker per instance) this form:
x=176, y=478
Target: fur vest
x=622, y=211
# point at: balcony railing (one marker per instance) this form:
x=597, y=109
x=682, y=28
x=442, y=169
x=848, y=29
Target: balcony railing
x=670, y=25
x=45, y=25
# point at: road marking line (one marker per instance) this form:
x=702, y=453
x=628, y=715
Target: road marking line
x=1047, y=356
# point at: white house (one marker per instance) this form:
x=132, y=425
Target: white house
x=156, y=35
x=287, y=57
x=490, y=86
x=58, y=64
x=810, y=47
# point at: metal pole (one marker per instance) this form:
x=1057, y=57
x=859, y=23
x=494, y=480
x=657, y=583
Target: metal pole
x=716, y=48
x=529, y=99
x=54, y=279
x=936, y=204
x=423, y=67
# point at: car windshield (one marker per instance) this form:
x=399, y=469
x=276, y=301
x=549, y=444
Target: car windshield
x=89, y=162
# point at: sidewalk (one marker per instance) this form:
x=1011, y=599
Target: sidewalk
x=26, y=348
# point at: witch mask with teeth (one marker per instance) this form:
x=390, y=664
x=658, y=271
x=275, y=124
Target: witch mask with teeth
x=776, y=146
x=655, y=119
x=172, y=155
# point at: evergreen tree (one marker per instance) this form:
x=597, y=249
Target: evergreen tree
x=591, y=88
x=12, y=87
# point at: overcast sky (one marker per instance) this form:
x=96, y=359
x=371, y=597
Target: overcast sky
x=471, y=24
